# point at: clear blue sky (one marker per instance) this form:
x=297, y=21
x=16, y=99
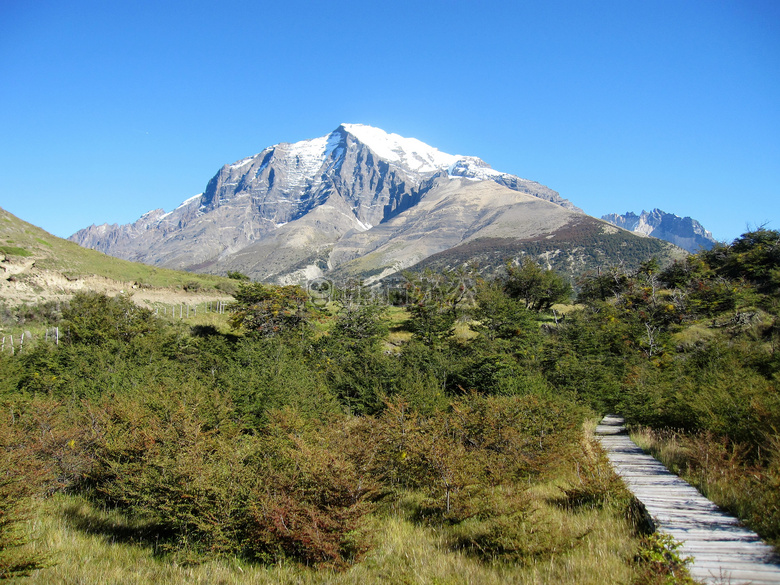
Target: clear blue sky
x=109, y=109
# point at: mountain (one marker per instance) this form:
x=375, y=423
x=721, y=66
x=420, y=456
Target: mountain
x=356, y=202
x=685, y=232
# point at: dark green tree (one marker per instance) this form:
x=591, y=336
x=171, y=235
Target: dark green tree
x=436, y=300
x=754, y=256
x=96, y=318
x=538, y=288
x=360, y=323
x=499, y=316
x=267, y=309
x=352, y=356
x=603, y=285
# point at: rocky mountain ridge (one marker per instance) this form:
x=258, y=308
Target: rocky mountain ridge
x=358, y=202
x=685, y=232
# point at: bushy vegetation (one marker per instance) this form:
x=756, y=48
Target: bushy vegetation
x=306, y=431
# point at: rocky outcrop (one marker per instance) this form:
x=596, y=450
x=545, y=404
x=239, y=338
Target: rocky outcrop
x=685, y=232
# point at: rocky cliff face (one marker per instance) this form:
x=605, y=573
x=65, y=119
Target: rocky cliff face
x=685, y=232
x=295, y=211
x=356, y=202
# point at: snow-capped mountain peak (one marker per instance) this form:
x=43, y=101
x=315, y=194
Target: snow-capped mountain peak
x=349, y=181
x=413, y=154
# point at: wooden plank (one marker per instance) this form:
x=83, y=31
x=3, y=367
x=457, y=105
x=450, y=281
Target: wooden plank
x=723, y=550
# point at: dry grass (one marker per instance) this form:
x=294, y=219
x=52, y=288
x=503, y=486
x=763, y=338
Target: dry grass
x=664, y=446
x=97, y=550
x=724, y=473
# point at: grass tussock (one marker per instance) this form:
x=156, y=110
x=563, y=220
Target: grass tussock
x=91, y=545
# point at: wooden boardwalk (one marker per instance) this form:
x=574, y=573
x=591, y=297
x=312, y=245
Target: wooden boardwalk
x=723, y=550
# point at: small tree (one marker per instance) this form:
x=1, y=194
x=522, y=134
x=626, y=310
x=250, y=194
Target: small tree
x=435, y=302
x=96, y=318
x=498, y=316
x=268, y=310
x=611, y=283
x=539, y=288
x=360, y=323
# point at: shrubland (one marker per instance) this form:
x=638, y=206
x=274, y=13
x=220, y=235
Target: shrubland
x=344, y=442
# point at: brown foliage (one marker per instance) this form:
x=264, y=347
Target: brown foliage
x=455, y=456
x=22, y=476
x=314, y=499
x=283, y=493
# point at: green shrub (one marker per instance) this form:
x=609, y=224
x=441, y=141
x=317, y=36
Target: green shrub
x=659, y=563
x=264, y=374
x=95, y=318
x=454, y=456
x=277, y=495
x=311, y=505
x=268, y=310
x=22, y=477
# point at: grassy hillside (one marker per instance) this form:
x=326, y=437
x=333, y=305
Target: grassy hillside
x=22, y=240
x=36, y=265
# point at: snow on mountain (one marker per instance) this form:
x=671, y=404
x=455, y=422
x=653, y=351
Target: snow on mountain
x=283, y=209
x=411, y=153
x=471, y=167
x=414, y=155
x=306, y=157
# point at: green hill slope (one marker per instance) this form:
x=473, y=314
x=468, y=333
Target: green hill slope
x=35, y=264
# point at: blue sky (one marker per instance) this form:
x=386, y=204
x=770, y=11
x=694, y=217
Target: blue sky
x=110, y=109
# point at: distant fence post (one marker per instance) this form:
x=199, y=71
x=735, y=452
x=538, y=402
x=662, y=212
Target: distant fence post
x=54, y=332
